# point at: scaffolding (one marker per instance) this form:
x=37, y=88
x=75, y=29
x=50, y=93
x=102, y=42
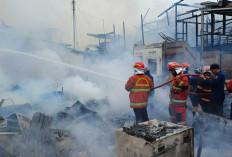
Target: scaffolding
x=211, y=33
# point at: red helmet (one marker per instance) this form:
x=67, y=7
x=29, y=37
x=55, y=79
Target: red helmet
x=172, y=65
x=139, y=65
x=184, y=65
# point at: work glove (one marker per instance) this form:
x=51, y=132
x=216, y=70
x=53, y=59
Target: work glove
x=195, y=108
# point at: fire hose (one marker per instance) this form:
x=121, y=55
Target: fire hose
x=175, y=79
x=197, y=75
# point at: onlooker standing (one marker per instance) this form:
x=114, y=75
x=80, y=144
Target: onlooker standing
x=217, y=90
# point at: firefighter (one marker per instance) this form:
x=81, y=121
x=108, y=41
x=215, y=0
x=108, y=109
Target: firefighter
x=185, y=67
x=204, y=89
x=170, y=66
x=139, y=86
x=229, y=86
x=178, y=95
x=193, y=83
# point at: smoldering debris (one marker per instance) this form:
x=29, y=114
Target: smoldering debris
x=80, y=112
x=16, y=123
x=5, y=153
x=216, y=134
x=37, y=135
x=205, y=121
x=24, y=109
x=66, y=133
x=92, y=128
x=150, y=132
x=227, y=109
x=21, y=136
x=77, y=111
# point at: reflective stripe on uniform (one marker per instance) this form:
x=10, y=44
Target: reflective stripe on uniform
x=176, y=88
x=140, y=90
x=179, y=101
x=174, y=117
x=182, y=123
x=204, y=99
x=181, y=82
x=138, y=104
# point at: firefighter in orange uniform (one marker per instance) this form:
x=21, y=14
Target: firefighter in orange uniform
x=139, y=86
x=178, y=95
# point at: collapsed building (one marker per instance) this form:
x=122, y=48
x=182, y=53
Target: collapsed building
x=55, y=135
x=23, y=136
x=201, y=35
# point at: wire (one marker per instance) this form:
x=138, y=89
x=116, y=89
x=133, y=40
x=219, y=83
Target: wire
x=100, y=19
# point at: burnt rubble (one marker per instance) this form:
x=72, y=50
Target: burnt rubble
x=204, y=122
x=24, y=109
x=22, y=136
x=80, y=112
x=150, y=132
x=53, y=136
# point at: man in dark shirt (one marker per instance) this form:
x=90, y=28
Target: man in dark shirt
x=217, y=90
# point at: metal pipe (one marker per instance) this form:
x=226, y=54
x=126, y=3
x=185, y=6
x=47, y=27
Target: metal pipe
x=124, y=34
x=186, y=29
x=196, y=31
x=224, y=24
x=114, y=31
x=202, y=35
x=74, y=24
x=212, y=29
x=183, y=30
x=176, y=22
x=142, y=28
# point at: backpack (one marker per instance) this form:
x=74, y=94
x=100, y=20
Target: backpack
x=229, y=86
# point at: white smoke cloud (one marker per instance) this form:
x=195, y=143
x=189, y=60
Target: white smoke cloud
x=77, y=87
x=57, y=14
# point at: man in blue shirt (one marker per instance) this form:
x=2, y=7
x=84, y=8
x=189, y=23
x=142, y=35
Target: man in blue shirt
x=217, y=90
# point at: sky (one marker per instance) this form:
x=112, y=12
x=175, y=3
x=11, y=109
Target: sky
x=93, y=16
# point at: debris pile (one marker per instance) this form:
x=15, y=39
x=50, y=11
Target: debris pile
x=205, y=121
x=21, y=136
x=24, y=109
x=55, y=135
x=151, y=132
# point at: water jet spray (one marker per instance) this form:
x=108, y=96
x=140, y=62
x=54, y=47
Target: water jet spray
x=59, y=63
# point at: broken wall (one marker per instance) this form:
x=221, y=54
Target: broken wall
x=181, y=52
